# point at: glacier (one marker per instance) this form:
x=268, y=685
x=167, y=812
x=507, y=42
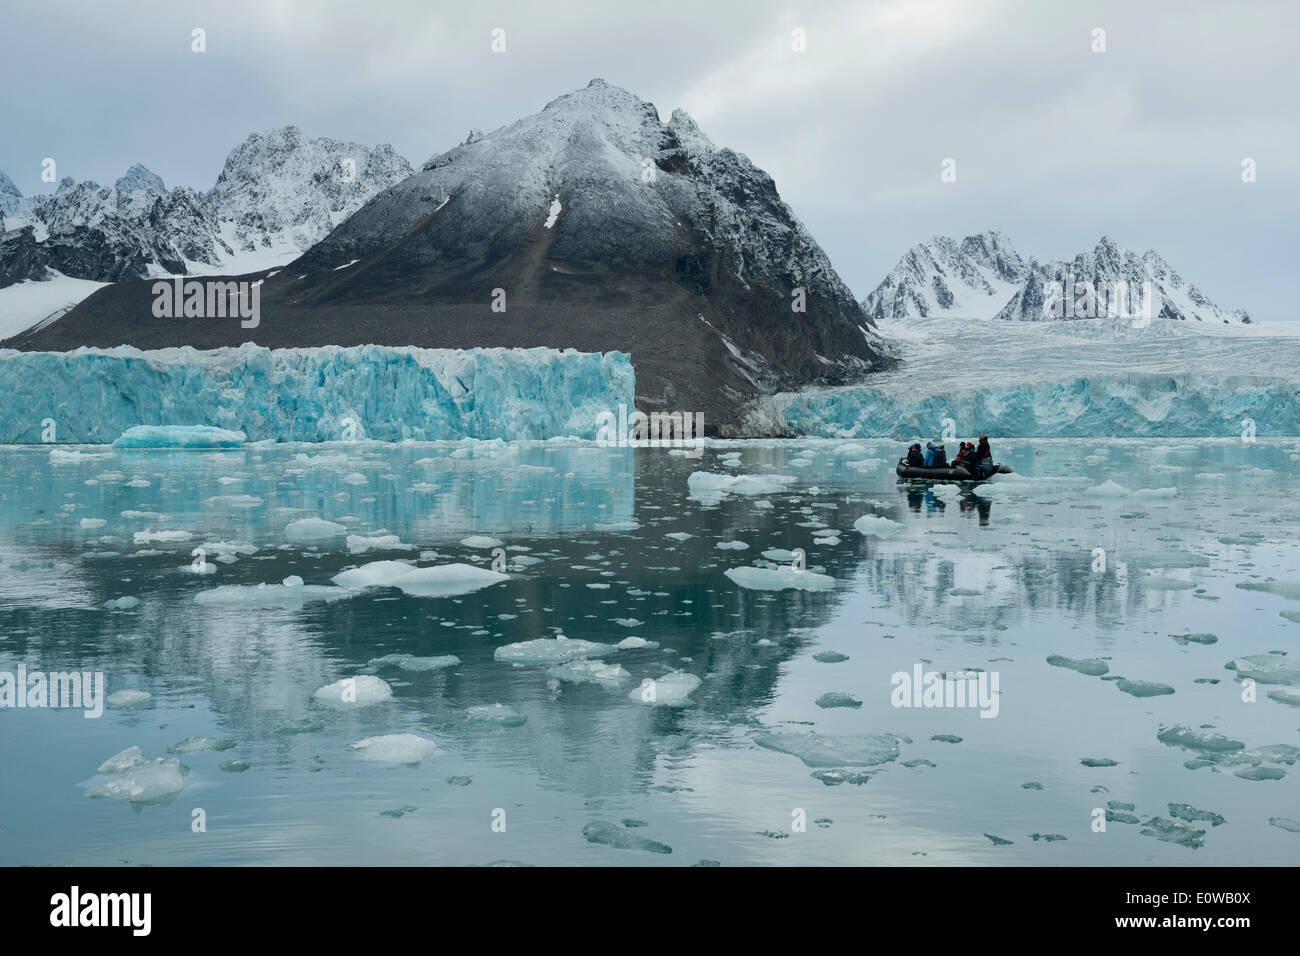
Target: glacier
x=1069, y=379
x=92, y=396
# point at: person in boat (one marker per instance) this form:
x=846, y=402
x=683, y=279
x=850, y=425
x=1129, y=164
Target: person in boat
x=984, y=456
x=914, y=456
x=940, y=456
x=964, y=457
x=927, y=461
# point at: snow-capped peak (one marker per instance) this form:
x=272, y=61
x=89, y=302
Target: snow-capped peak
x=983, y=277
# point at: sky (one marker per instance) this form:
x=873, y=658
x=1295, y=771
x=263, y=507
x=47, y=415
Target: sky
x=1055, y=142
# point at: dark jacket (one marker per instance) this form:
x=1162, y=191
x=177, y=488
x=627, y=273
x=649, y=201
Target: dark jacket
x=983, y=451
x=915, y=458
x=940, y=458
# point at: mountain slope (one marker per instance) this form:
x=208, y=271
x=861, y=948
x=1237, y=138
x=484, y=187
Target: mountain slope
x=601, y=227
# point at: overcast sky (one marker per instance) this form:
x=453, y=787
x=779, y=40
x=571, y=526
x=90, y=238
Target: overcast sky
x=1055, y=145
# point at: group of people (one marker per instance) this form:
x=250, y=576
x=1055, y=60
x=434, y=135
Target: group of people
x=969, y=455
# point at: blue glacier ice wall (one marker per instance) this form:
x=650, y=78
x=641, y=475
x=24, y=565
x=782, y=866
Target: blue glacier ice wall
x=388, y=394
x=1133, y=405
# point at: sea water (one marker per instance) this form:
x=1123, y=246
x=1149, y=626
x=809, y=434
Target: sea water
x=641, y=667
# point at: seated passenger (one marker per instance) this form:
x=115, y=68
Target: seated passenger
x=940, y=456
x=930, y=450
x=914, y=456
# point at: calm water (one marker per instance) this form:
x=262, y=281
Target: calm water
x=997, y=582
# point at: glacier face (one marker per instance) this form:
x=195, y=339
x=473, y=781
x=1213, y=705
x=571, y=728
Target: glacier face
x=1084, y=378
x=375, y=392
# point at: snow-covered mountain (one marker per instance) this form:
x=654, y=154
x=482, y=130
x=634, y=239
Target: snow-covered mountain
x=278, y=193
x=591, y=224
x=984, y=277
x=285, y=188
x=972, y=278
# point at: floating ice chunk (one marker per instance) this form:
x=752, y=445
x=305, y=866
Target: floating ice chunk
x=1143, y=688
x=1092, y=666
x=409, y=662
x=611, y=834
x=1107, y=489
x=1285, y=589
x=481, y=541
x=268, y=595
x=554, y=212
x=1167, y=558
x=149, y=537
x=179, y=436
x=818, y=750
x=678, y=535
x=149, y=782
x=360, y=691
x=1191, y=814
x=630, y=643
x=1170, y=831
x=1191, y=738
x=780, y=579
x=439, y=580
x=1184, y=638
x=501, y=714
x=837, y=699
x=1267, y=668
x=127, y=698
x=708, y=486
x=551, y=650
x=122, y=761
x=1285, y=695
x=91, y=523
x=122, y=603
x=672, y=690
x=396, y=748
x=870, y=525
x=1285, y=823
x=376, y=574
x=448, y=580
x=191, y=745
x=779, y=555
x=732, y=546
x=313, y=530
x=584, y=671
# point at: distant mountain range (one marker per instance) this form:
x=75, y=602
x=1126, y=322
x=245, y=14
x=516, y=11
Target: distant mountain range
x=591, y=224
x=984, y=277
x=278, y=194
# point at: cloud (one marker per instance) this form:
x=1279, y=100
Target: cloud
x=1055, y=144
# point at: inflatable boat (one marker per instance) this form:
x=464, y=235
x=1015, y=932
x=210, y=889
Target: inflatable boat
x=947, y=472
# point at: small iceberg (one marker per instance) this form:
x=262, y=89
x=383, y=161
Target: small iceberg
x=780, y=579
x=360, y=691
x=672, y=690
x=551, y=650
x=395, y=748
x=438, y=580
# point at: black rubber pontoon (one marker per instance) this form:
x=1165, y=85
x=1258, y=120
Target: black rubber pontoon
x=947, y=472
